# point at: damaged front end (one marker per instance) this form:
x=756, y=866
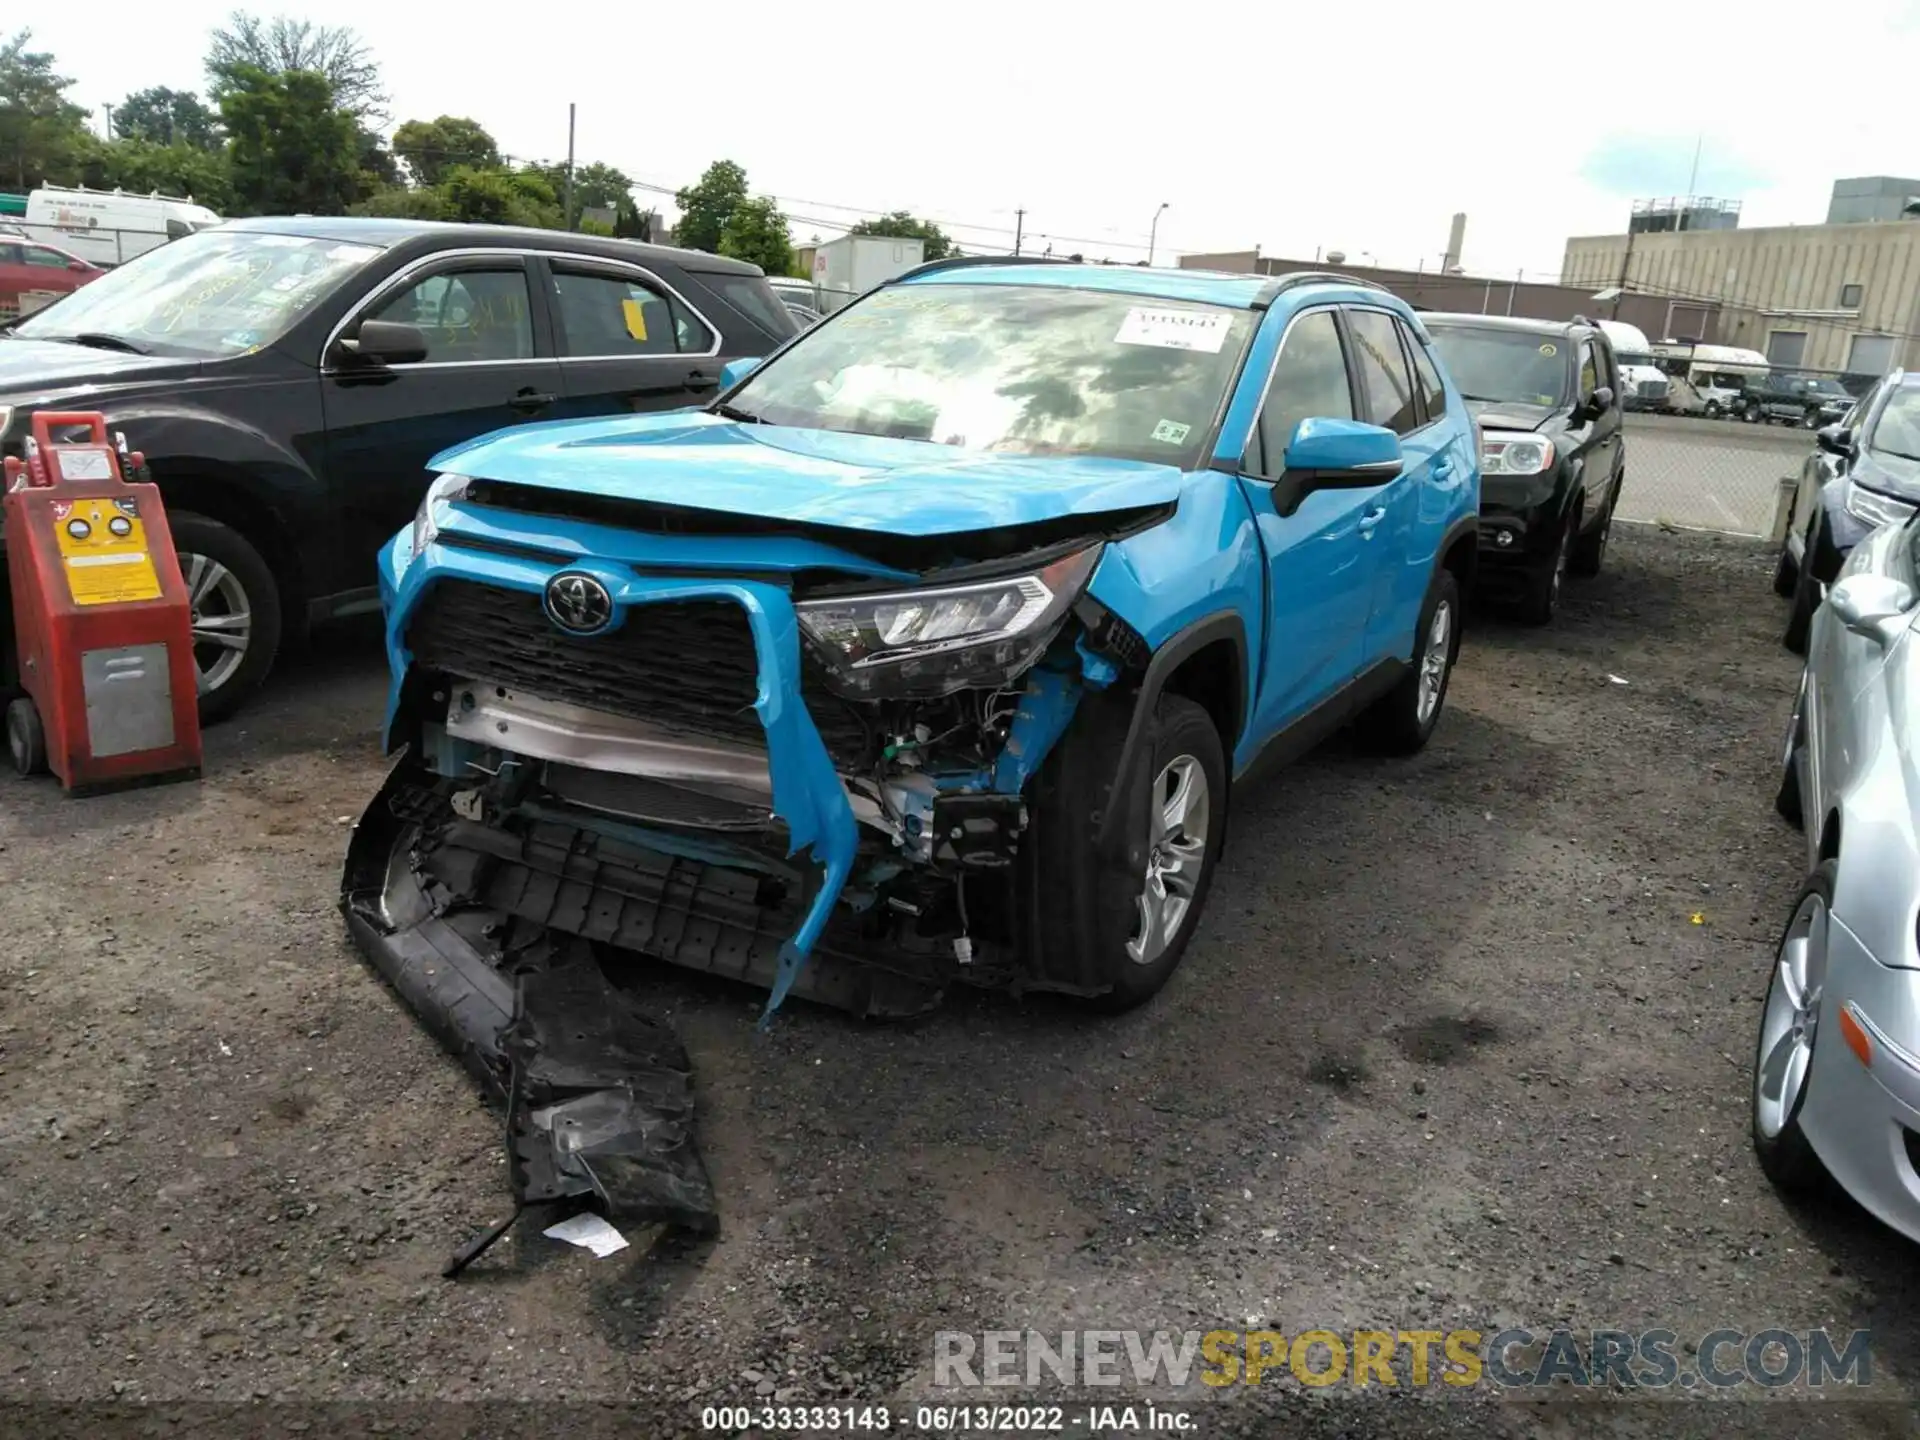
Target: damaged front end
x=792, y=755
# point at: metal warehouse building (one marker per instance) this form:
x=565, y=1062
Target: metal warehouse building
x=1840, y=297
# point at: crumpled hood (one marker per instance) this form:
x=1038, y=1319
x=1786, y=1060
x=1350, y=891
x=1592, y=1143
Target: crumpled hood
x=700, y=461
x=1509, y=414
x=46, y=367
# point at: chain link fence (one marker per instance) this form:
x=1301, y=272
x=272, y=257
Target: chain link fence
x=1708, y=474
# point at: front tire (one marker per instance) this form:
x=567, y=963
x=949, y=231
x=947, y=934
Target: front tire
x=1403, y=720
x=1787, y=801
x=1542, y=599
x=1783, y=1051
x=236, y=612
x=1786, y=573
x=1806, y=593
x=26, y=737
x=1589, y=551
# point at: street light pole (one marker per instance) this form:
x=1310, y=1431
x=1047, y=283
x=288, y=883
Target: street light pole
x=1153, y=233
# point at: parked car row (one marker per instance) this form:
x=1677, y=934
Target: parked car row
x=288, y=380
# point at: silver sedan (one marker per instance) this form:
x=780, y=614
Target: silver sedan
x=1837, y=1067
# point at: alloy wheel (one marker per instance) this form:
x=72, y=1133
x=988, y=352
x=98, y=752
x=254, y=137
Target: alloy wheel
x=1792, y=1016
x=1176, y=856
x=1434, y=660
x=222, y=619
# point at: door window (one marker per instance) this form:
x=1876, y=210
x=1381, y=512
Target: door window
x=1589, y=370
x=9, y=254
x=604, y=314
x=467, y=315
x=1433, y=396
x=1309, y=379
x=49, y=259
x=1383, y=371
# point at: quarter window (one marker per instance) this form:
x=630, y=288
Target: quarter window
x=1589, y=370
x=9, y=255
x=1309, y=379
x=604, y=314
x=467, y=315
x=1433, y=396
x=1383, y=371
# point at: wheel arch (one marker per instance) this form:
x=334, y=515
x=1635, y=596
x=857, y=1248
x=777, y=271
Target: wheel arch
x=220, y=491
x=1206, y=661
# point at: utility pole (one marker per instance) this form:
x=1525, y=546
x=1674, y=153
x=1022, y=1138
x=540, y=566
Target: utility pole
x=566, y=206
x=1154, y=233
x=1626, y=262
x=107, y=110
x=1019, y=224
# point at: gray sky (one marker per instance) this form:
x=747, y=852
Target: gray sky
x=1538, y=120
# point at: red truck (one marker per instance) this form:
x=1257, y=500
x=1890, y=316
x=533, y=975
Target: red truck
x=33, y=275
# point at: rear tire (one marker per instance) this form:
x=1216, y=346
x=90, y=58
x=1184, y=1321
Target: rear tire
x=1403, y=720
x=1787, y=802
x=234, y=598
x=26, y=737
x=1785, y=572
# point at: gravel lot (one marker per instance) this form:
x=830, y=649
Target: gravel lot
x=1450, y=1049
x=1708, y=474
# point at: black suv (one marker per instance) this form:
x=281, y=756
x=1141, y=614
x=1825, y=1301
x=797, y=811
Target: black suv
x=1546, y=396
x=1809, y=400
x=288, y=380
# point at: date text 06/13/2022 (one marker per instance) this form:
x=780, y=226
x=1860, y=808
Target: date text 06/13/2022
x=1145, y=1417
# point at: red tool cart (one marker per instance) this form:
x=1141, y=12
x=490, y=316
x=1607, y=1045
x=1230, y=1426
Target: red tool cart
x=101, y=616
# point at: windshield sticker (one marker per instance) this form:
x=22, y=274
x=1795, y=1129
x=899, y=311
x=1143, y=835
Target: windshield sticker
x=1549, y=349
x=288, y=242
x=1171, y=432
x=353, y=252
x=1205, y=331
x=1543, y=400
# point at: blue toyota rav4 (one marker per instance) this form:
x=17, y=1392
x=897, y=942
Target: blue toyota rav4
x=931, y=651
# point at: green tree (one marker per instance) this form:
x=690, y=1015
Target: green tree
x=902, y=226
x=142, y=166
x=756, y=231
x=167, y=117
x=281, y=45
x=500, y=197
x=378, y=168
x=41, y=131
x=405, y=202
x=289, y=148
x=707, y=205
x=432, y=148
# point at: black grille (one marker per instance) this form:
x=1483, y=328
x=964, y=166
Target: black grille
x=687, y=666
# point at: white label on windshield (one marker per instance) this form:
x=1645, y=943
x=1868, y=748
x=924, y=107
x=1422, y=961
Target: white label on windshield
x=1175, y=329
x=283, y=242
x=1172, y=432
x=355, y=253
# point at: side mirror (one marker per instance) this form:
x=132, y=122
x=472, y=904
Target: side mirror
x=1835, y=440
x=734, y=371
x=387, y=342
x=1872, y=605
x=1600, y=401
x=79, y=267
x=1329, y=454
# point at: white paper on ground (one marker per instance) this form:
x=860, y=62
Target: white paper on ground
x=589, y=1231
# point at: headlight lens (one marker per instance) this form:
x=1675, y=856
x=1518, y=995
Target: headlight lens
x=1514, y=452
x=426, y=520
x=1870, y=507
x=941, y=638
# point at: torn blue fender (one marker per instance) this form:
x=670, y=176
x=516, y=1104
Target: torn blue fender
x=807, y=792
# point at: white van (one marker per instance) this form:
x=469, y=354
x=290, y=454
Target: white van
x=1643, y=384
x=108, y=227
x=1717, y=374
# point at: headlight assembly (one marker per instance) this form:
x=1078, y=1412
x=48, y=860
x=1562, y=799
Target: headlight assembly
x=1514, y=452
x=937, y=639
x=426, y=520
x=1870, y=507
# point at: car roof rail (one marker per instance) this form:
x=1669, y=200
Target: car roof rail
x=958, y=262
x=1280, y=284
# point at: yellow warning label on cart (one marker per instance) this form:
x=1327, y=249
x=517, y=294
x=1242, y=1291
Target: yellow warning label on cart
x=103, y=546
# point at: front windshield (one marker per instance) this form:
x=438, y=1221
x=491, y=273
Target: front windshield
x=1517, y=366
x=215, y=293
x=1831, y=388
x=1897, y=431
x=1012, y=369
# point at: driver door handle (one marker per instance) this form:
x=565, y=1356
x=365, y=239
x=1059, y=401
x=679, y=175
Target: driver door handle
x=700, y=380
x=530, y=401
x=1371, y=518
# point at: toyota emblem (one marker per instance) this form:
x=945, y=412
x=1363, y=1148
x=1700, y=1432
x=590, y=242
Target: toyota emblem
x=578, y=603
